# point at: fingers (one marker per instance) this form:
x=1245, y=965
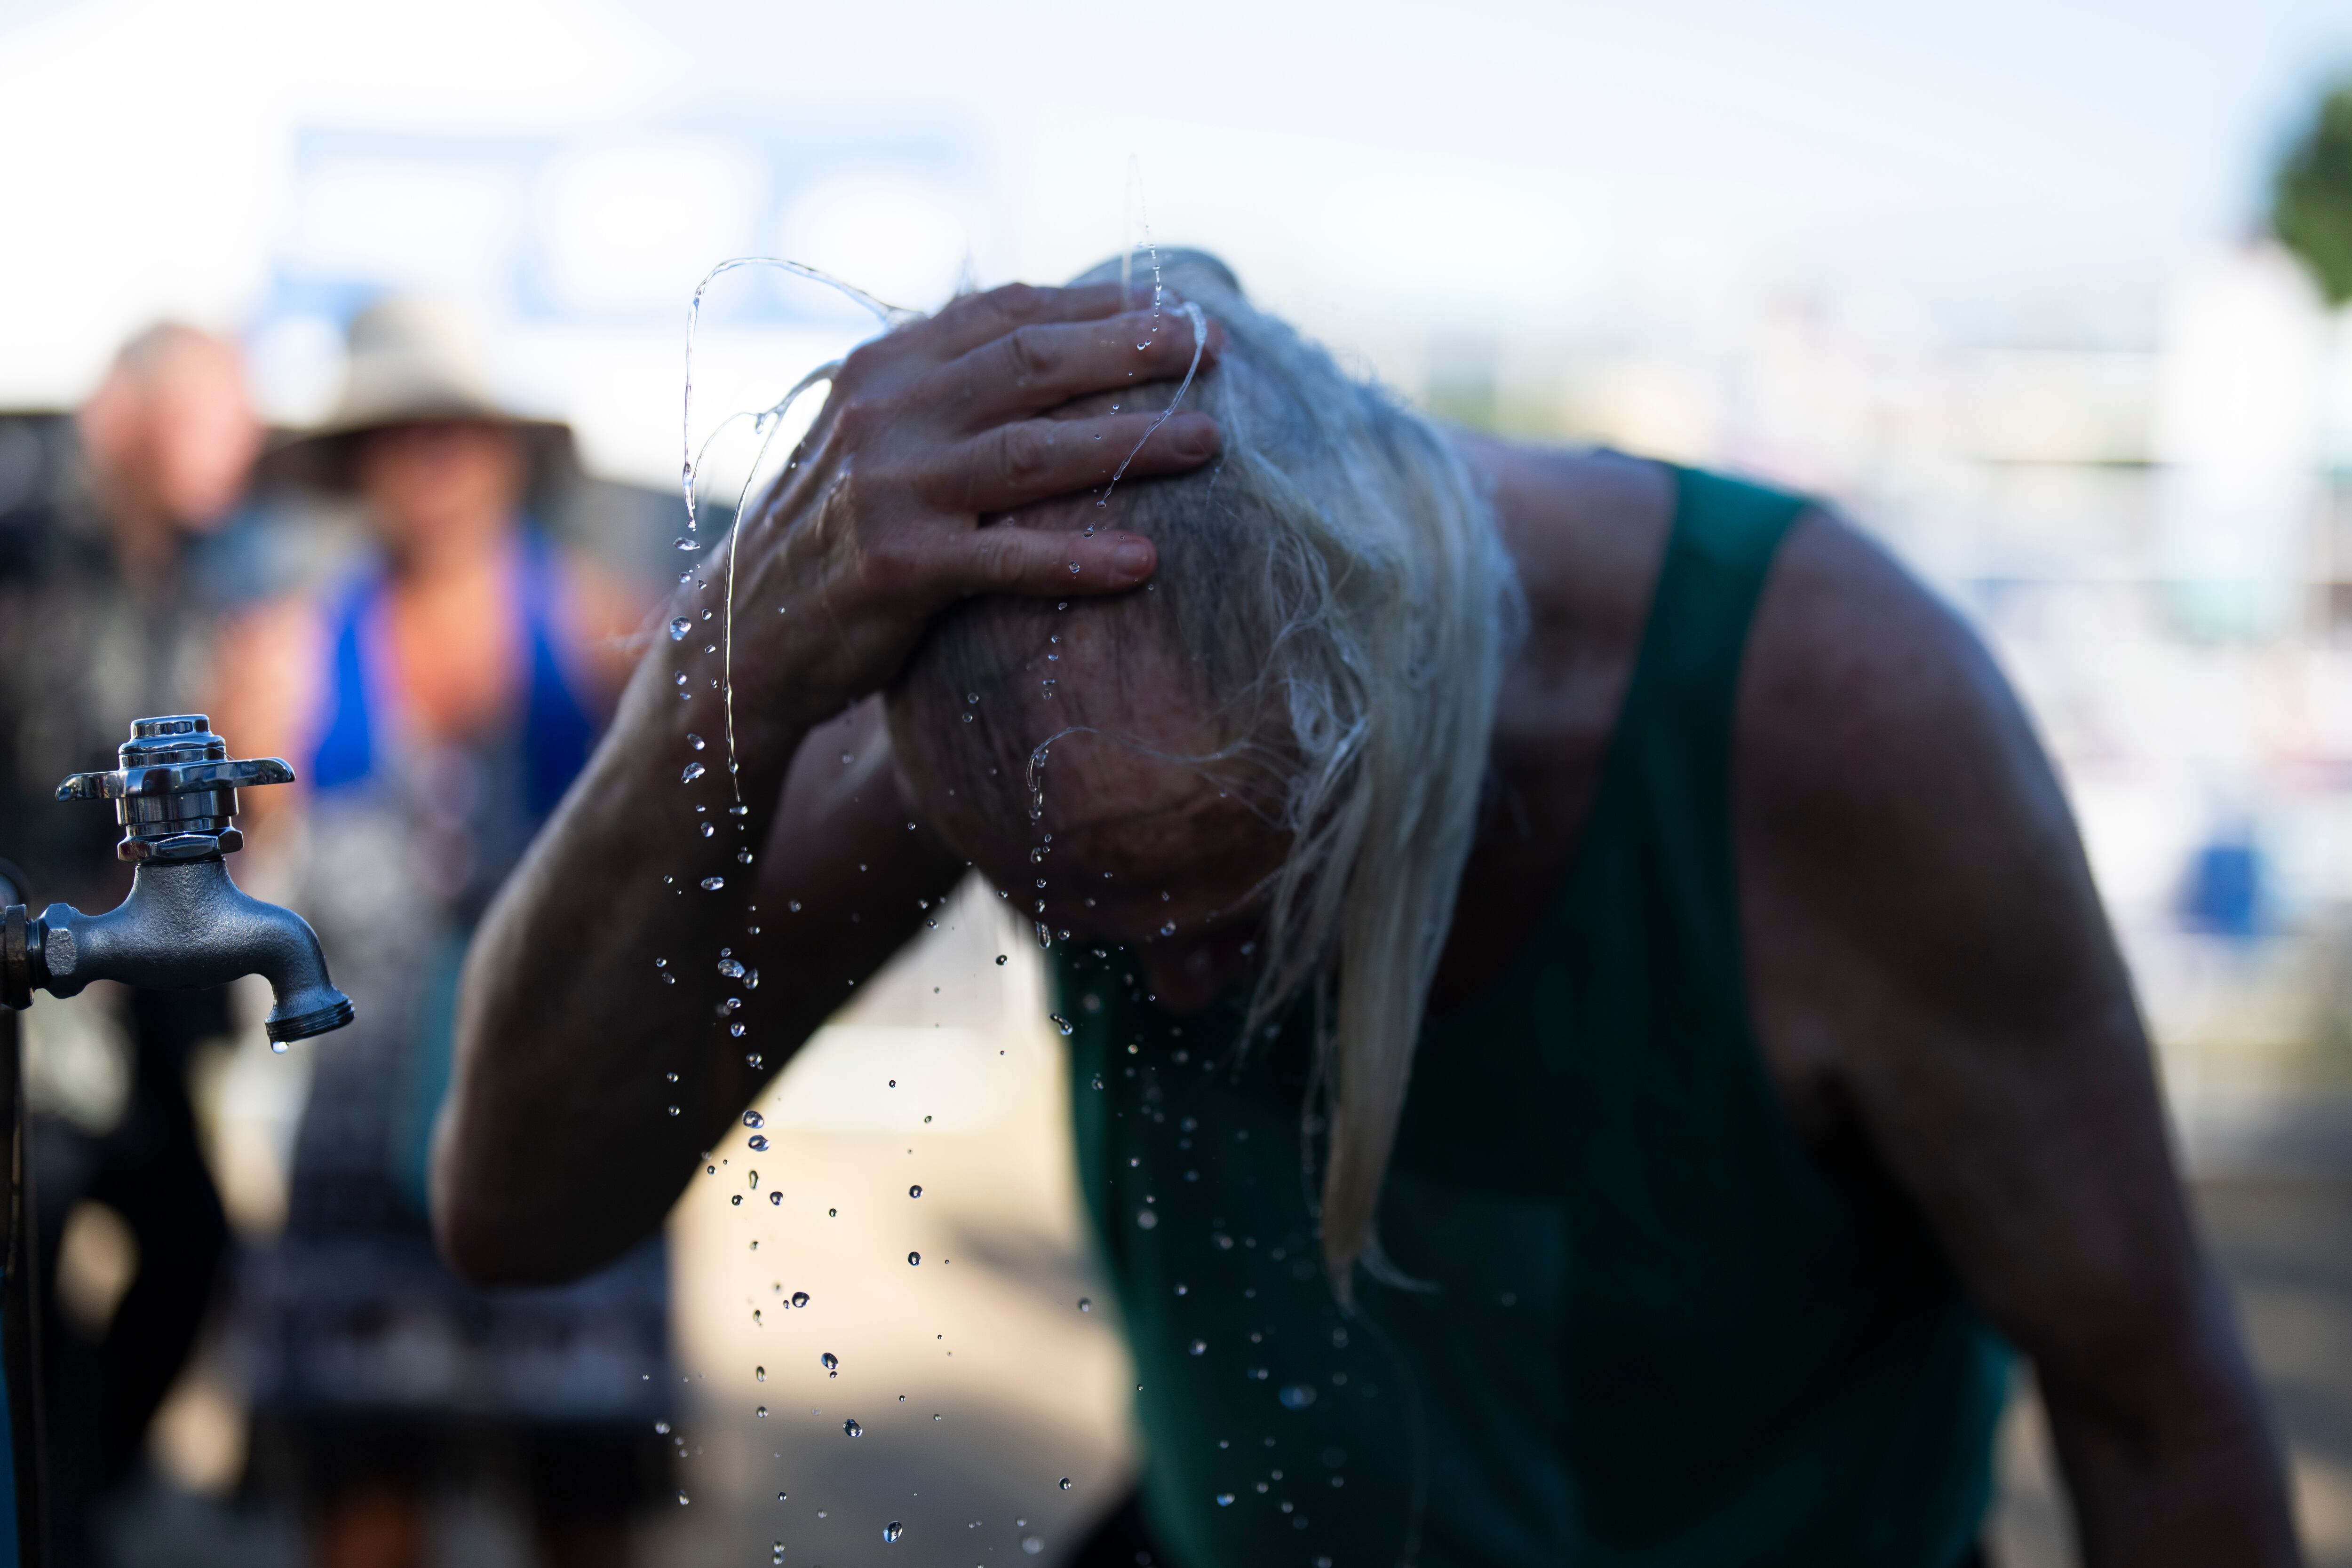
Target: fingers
x=1039, y=365
x=966, y=323
x=1009, y=558
x=1035, y=459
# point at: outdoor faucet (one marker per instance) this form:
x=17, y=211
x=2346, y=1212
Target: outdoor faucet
x=186, y=923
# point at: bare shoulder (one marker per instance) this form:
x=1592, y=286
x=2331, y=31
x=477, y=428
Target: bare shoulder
x=1908, y=865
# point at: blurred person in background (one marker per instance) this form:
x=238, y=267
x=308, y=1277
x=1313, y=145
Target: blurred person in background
x=116, y=560
x=434, y=705
x=1641, y=912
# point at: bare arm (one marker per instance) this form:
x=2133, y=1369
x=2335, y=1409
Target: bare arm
x=587, y=1083
x=1929, y=958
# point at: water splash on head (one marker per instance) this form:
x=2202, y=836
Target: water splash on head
x=767, y=423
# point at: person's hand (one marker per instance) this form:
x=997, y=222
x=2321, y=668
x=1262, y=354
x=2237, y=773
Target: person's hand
x=895, y=509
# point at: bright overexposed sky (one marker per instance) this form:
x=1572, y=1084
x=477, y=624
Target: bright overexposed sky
x=2019, y=172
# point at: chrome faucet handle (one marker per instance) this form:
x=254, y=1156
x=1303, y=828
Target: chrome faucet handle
x=175, y=790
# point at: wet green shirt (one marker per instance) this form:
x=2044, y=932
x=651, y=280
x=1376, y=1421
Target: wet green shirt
x=1658, y=1331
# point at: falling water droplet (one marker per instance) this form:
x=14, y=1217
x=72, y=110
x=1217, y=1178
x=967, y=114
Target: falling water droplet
x=1224, y=1500
x=758, y=1141
x=753, y=1119
x=892, y=1530
x=775, y=1198
x=1085, y=1303
x=915, y=1191
x=1000, y=960
x=1031, y=1545
x=1062, y=1023
x=800, y=1298
x=761, y=1412
x=1199, y=1347
x=1065, y=1483
x=733, y=969
x=708, y=829
x=679, y=627
x=831, y=1362
x=693, y=771
x=713, y=883
x=913, y=1258
x=852, y=1429
x=759, y=1374
x=1298, y=1395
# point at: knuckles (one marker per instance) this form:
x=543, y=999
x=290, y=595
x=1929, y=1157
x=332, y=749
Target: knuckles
x=1032, y=353
x=1023, y=454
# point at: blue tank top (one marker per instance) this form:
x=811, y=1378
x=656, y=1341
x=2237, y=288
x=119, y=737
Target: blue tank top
x=558, y=731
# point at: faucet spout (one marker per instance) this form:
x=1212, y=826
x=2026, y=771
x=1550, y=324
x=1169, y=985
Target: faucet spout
x=188, y=923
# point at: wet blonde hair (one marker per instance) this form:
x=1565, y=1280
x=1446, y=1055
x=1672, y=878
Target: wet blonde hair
x=1335, y=585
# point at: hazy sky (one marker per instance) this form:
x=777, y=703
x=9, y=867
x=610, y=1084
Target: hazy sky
x=2019, y=170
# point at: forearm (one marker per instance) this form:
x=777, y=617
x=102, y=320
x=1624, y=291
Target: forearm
x=2181, y=1471
x=586, y=1078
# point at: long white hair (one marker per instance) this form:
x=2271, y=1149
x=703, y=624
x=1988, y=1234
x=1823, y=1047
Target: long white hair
x=1336, y=582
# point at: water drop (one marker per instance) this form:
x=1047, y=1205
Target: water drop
x=693, y=771
x=708, y=829
x=694, y=741
x=742, y=857
x=1062, y=1024
x=679, y=627
x=681, y=1500
x=713, y=883
x=913, y=1258
x=1169, y=929
x=1298, y=1395
x=1224, y=1500
x=775, y=1197
x=1000, y=960
x=761, y=1412
x=915, y=1191
x=687, y=544
x=1031, y=1545
x=681, y=677
x=851, y=1428
x=758, y=1141
x=737, y=1030
x=800, y=1298
x=1085, y=1303
x=753, y=1119
x=892, y=1530
x=831, y=1362
x=1145, y=1219
x=733, y=969
x=1065, y=1483
x=1199, y=1347
x=759, y=1374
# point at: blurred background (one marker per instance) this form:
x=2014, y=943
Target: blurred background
x=2047, y=297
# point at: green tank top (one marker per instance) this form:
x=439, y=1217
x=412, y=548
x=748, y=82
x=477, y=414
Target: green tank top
x=1656, y=1330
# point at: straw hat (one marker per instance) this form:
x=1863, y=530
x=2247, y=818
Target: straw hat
x=410, y=361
